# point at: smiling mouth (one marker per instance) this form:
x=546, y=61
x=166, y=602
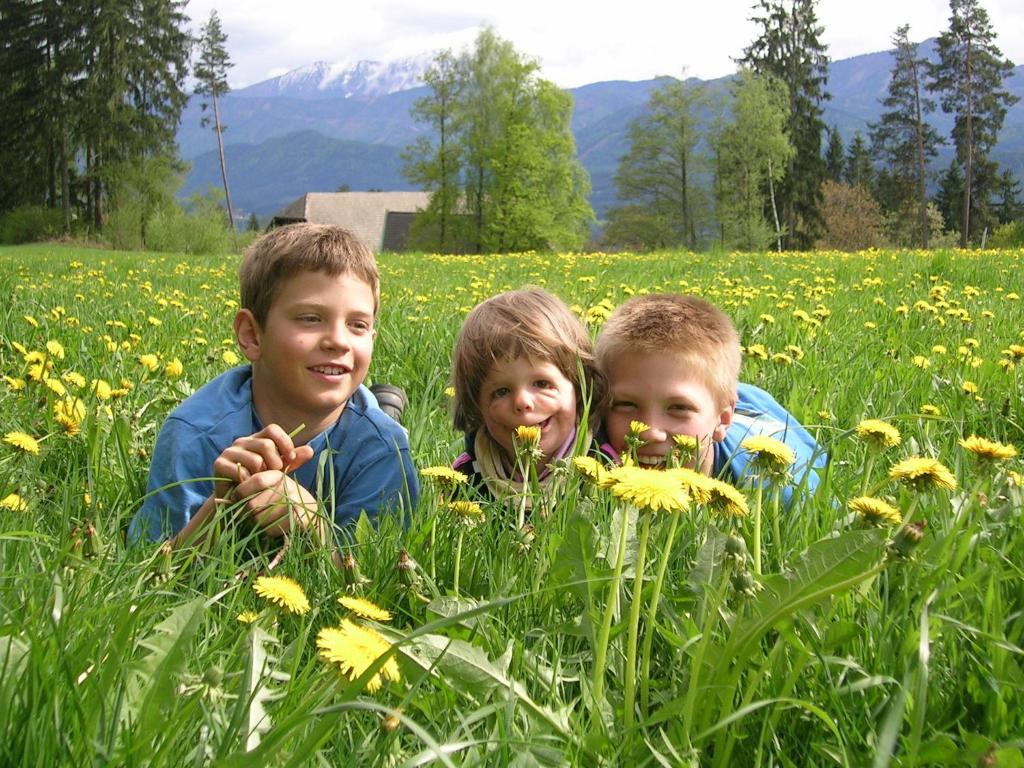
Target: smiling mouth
x=329, y=370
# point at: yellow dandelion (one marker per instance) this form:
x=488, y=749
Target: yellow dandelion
x=987, y=450
x=74, y=378
x=365, y=609
x=1016, y=478
x=19, y=348
x=446, y=477
x=353, y=648
x=920, y=361
x=31, y=320
x=22, y=441
x=649, y=489
x=449, y=391
x=922, y=472
x=468, y=512
x=37, y=371
x=149, y=362
x=14, y=384
x=1015, y=351
x=174, y=369
x=969, y=387
x=769, y=455
x=930, y=410
x=14, y=503
x=878, y=433
x=725, y=499
x=283, y=592
x=826, y=415
x=229, y=357
x=527, y=437
x=55, y=386
x=875, y=511
x=247, y=617
x=686, y=442
x=592, y=470
x=55, y=348
x=637, y=428
x=696, y=484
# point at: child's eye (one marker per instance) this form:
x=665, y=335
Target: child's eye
x=308, y=318
x=543, y=384
x=623, y=405
x=680, y=408
x=499, y=393
x=360, y=326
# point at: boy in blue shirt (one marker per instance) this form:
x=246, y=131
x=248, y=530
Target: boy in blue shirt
x=672, y=362
x=309, y=300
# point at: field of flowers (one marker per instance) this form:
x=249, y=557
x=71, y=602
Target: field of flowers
x=886, y=628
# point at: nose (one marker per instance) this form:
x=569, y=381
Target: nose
x=336, y=336
x=523, y=400
x=655, y=433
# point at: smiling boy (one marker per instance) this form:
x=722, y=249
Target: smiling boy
x=309, y=301
x=672, y=362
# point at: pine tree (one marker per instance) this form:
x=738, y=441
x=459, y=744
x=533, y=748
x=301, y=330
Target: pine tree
x=789, y=49
x=968, y=77
x=1009, y=207
x=211, y=73
x=950, y=197
x=859, y=171
x=835, y=156
x=660, y=167
x=902, y=140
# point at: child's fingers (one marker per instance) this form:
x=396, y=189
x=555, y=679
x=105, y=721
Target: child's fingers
x=282, y=442
x=303, y=453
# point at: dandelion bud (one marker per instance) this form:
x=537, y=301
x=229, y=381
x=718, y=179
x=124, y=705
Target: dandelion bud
x=213, y=675
x=163, y=563
x=907, y=538
x=407, y=570
x=736, y=549
x=76, y=542
x=350, y=570
x=744, y=583
x=92, y=545
x=525, y=537
x=391, y=723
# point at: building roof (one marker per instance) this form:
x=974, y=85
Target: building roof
x=362, y=213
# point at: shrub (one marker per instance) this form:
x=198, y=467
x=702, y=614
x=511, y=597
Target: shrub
x=853, y=221
x=1009, y=235
x=199, y=231
x=30, y=224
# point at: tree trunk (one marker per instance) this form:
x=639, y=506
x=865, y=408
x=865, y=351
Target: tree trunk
x=969, y=159
x=775, y=210
x=223, y=166
x=922, y=193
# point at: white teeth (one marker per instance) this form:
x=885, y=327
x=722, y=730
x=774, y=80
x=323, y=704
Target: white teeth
x=651, y=461
x=329, y=370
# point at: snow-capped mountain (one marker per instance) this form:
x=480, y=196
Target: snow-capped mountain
x=363, y=80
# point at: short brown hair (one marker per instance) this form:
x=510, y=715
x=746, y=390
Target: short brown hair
x=529, y=323
x=304, y=247
x=670, y=323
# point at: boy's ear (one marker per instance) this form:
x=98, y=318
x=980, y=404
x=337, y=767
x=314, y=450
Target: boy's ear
x=724, y=421
x=248, y=334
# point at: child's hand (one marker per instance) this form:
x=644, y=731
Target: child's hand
x=269, y=449
x=275, y=502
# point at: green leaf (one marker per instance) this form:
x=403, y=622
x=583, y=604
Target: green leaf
x=150, y=685
x=256, y=692
x=825, y=568
x=470, y=672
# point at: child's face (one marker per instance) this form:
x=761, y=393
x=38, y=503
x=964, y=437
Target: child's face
x=313, y=350
x=525, y=392
x=661, y=391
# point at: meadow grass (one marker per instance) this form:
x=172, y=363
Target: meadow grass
x=860, y=644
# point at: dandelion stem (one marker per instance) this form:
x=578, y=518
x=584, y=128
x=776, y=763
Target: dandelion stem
x=652, y=611
x=776, y=525
x=634, y=620
x=867, y=473
x=458, y=560
x=601, y=651
x=756, y=554
x=298, y=429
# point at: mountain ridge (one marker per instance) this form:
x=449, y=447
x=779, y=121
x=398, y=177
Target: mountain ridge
x=300, y=113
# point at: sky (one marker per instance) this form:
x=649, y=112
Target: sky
x=575, y=42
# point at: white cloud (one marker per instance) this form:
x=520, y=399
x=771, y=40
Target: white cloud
x=576, y=43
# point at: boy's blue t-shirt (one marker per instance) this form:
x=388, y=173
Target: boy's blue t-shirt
x=758, y=413
x=369, y=464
